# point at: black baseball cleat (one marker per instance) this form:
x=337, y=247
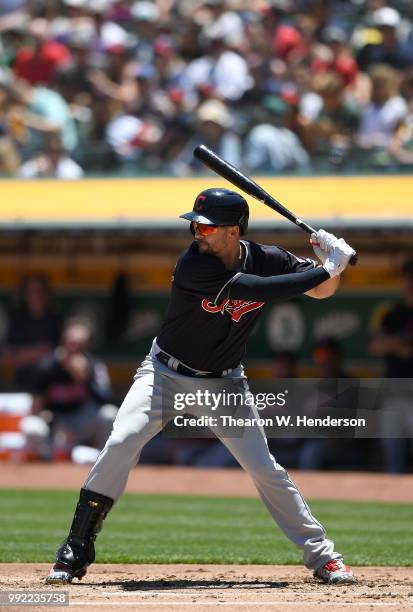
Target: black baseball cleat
x=71, y=562
x=78, y=551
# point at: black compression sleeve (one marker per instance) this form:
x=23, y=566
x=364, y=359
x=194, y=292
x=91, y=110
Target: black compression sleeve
x=267, y=288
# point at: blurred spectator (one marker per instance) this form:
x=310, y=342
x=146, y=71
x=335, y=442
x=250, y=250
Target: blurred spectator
x=53, y=162
x=394, y=342
x=329, y=119
x=40, y=111
x=145, y=21
x=271, y=146
x=85, y=68
x=9, y=155
x=390, y=47
x=213, y=128
x=71, y=394
x=224, y=21
x=37, y=61
x=336, y=55
x=116, y=79
x=340, y=452
x=327, y=357
x=131, y=137
x=9, y=6
x=385, y=112
x=224, y=69
x=33, y=331
x=401, y=145
x=285, y=366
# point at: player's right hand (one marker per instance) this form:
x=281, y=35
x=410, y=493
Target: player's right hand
x=338, y=257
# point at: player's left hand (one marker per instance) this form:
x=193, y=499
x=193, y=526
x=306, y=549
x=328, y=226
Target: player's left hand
x=322, y=242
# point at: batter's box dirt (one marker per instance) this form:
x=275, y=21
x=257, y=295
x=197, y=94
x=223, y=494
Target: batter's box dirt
x=208, y=587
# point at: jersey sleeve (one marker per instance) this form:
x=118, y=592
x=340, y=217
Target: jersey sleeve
x=281, y=261
x=202, y=275
x=274, y=288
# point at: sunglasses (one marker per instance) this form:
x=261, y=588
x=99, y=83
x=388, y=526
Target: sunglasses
x=204, y=229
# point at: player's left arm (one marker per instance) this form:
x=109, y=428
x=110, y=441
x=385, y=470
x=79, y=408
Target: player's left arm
x=324, y=290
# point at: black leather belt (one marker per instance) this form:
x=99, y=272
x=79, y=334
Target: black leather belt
x=178, y=366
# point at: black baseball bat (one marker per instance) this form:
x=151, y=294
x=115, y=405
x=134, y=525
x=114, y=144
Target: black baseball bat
x=239, y=179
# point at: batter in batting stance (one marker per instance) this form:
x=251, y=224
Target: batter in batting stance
x=220, y=286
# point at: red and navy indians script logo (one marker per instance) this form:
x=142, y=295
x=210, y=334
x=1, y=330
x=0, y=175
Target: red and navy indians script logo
x=236, y=308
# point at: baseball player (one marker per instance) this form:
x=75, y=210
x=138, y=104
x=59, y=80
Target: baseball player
x=220, y=286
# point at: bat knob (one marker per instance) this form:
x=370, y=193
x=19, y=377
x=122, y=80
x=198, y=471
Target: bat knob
x=353, y=259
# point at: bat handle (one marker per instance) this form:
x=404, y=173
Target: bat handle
x=310, y=230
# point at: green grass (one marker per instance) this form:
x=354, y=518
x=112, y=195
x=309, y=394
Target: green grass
x=183, y=529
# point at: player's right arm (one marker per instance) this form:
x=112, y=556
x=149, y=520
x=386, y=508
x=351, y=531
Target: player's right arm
x=286, y=286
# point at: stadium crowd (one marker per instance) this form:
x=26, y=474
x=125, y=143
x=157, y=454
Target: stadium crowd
x=130, y=86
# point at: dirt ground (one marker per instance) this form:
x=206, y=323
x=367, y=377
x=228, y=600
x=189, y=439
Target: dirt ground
x=206, y=587
x=220, y=481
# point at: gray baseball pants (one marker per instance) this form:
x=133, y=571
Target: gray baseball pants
x=142, y=415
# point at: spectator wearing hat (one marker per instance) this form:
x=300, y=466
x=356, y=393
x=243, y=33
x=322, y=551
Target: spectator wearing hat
x=392, y=49
x=213, y=127
x=393, y=342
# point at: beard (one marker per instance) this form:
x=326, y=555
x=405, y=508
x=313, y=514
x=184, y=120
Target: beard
x=203, y=247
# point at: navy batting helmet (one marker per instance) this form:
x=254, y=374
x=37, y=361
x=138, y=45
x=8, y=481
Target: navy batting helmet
x=220, y=207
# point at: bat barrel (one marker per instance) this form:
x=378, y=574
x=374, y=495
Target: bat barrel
x=240, y=180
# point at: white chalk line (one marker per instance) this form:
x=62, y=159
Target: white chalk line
x=214, y=602
x=214, y=592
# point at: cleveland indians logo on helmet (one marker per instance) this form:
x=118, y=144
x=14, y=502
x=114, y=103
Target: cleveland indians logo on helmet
x=198, y=205
x=236, y=308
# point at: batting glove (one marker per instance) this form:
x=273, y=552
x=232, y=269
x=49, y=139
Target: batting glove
x=338, y=257
x=322, y=242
